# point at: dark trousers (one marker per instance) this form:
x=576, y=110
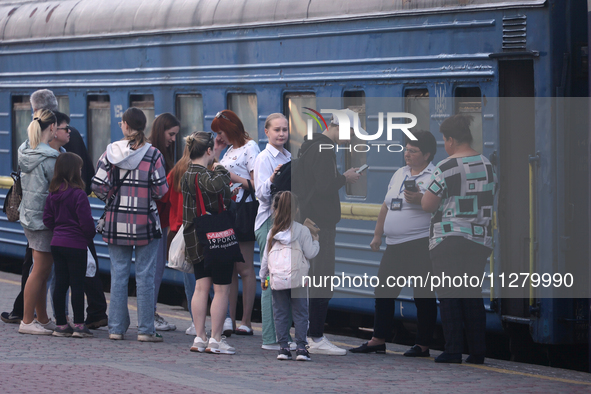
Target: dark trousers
x=70, y=271
x=93, y=287
x=286, y=307
x=461, y=308
x=95, y=296
x=406, y=259
x=321, y=265
x=19, y=303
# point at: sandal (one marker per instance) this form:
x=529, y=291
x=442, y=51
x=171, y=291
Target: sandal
x=243, y=330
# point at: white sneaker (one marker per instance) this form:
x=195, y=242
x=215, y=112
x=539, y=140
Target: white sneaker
x=324, y=346
x=33, y=328
x=220, y=347
x=50, y=325
x=275, y=346
x=199, y=345
x=191, y=330
x=116, y=337
x=228, y=328
x=150, y=337
x=162, y=325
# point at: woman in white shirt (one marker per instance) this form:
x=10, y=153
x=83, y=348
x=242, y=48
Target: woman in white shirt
x=267, y=164
x=406, y=227
x=239, y=160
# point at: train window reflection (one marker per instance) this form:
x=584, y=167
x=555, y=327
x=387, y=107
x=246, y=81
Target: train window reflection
x=21, y=118
x=293, y=104
x=355, y=101
x=145, y=102
x=63, y=104
x=189, y=111
x=468, y=101
x=416, y=102
x=245, y=106
x=99, y=125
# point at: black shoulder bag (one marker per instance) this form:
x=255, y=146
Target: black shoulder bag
x=246, y=213
x=215, y=232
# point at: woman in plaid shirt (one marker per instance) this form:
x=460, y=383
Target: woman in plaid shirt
x=134, y=171
x=211, y=184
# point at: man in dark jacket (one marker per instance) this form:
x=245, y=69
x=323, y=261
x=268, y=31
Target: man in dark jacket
x=320, y=202
x=96, y=312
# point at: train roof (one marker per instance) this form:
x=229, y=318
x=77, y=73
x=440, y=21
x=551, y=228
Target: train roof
x=27, y=20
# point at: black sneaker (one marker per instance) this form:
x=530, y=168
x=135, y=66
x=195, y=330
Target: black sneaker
x=284, y=354
x=302, y=355
x=81, y=331
x=8, y=317
x=449, y=358
x=63, y=331
x=97, y=324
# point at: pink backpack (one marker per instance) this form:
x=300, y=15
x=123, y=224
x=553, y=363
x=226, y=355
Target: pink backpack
x=287, y=266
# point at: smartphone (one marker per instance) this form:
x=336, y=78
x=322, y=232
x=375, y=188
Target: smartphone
x=362, y=168
x=410, y=185
x=234, y=186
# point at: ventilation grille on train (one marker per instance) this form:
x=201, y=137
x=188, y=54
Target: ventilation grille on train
x=514, y=32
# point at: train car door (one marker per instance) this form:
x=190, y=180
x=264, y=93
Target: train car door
x=517, y=142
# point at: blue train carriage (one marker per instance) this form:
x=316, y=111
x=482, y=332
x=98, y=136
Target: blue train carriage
x=434, y=58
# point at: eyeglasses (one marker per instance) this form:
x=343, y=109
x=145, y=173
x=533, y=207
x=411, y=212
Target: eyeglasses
x=221, y=115
x=412, y=151
x=67, y=128
x=120, y=123
x=211, y=142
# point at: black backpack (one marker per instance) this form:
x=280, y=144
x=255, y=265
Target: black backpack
x=292, y=177
x=282, y=179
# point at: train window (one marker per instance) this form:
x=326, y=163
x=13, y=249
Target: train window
x=245, y=106
x=416, y=102
x=99, y=125
x=293, y=104
x=468, y=101
x=189, y=111
x=145, y=102
x=355, y=101
x=63, y=104
x=21, y=118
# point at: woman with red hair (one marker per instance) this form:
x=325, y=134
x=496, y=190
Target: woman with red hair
x=239, y=161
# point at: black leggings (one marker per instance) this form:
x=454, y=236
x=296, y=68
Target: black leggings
x=70, y=271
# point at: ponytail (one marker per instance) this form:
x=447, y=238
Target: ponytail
x=285, y=207
x=42, y=119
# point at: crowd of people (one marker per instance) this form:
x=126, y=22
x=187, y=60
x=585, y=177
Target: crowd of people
x=436, y=218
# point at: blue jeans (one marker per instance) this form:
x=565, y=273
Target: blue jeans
x=161, y=259
x=145, y=266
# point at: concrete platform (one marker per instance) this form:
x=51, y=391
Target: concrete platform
x=47, y=364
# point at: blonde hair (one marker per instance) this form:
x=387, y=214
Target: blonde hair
x=272, y=117
x=42, y=119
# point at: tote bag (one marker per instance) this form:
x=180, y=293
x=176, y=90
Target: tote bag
x=215, y=232
x=246, y=213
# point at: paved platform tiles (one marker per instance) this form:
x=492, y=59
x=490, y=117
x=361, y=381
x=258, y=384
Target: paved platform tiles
x=51, y=365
